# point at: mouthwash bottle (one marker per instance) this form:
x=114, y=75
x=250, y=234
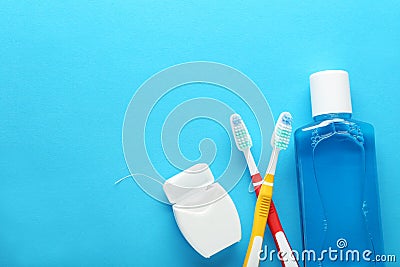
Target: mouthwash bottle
x=337, y=178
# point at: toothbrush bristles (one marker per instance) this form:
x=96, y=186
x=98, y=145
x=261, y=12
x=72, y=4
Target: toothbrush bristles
x=283, y=131
x=240, y=133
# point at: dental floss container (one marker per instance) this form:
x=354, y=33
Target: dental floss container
x=203, y=210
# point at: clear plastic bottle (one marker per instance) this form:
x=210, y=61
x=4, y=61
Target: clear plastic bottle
x=337, y=178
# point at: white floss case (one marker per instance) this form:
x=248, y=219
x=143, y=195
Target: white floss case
x=203, y=210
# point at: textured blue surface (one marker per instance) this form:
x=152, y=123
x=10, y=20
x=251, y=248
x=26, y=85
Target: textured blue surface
x=69, y=69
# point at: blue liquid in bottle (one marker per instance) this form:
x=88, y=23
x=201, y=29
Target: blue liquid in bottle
x=337, y=178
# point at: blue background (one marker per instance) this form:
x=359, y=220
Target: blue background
x=68, y=70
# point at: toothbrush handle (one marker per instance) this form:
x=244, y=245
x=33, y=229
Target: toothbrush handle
x=273, y=219
x=253, y=253
x=257, y=182
x=261, y=211
x=275, y=226
x=286, y=255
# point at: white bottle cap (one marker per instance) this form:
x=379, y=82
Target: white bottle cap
x=330, y=92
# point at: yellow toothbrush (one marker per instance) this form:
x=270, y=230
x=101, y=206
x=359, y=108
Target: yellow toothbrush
x=279, y=140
